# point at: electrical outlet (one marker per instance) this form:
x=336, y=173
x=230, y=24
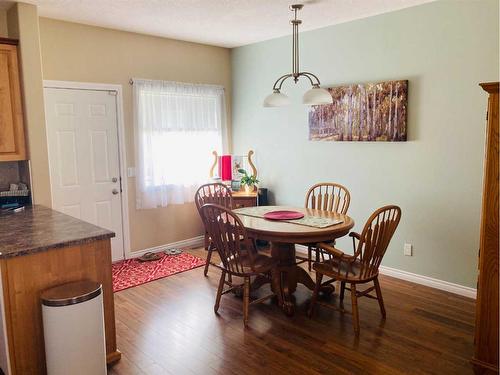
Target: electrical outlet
x=408, y=249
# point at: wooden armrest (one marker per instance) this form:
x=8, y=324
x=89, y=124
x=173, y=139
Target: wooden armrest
x=336, y=252
x=355, y=235
x=332, y=250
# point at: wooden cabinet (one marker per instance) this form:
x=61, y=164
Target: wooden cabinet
x=39, y=249
x=25, y=277
x=243, y=199
x=485, y=358
x=12, y=142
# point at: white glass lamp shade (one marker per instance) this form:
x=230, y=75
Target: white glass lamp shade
x=317, y=96
x=276, y=99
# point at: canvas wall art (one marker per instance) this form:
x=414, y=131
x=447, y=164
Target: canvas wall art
x=362, y=112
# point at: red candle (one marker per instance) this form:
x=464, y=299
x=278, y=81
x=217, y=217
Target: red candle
x=226, y=168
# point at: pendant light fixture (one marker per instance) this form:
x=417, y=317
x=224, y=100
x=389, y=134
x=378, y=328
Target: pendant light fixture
x=315, y=95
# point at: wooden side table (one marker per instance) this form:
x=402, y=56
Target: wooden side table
x=244, y=199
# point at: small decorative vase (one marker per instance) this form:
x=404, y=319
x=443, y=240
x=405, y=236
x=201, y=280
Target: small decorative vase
x=248, y=188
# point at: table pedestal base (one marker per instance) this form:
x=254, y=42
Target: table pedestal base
x=291, y=275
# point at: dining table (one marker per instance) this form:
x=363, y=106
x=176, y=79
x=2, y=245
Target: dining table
x=316, y=226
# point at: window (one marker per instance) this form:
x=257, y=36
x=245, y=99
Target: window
x=177, y=126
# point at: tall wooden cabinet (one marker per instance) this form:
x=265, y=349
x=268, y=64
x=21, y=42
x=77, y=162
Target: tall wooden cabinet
x=12, y=142
x=485, y=358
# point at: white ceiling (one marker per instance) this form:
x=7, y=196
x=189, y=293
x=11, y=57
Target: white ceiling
x=227, y=23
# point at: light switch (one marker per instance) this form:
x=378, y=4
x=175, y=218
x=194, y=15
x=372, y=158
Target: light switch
x=131, y=172
x=408, y=249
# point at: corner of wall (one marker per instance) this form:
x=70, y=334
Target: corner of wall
x=12, y=22
x=22, y=24
x=4, y=32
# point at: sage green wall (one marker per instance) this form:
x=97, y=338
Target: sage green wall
x=444, y=49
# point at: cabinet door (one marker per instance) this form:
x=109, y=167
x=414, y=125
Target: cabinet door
x=12, y=143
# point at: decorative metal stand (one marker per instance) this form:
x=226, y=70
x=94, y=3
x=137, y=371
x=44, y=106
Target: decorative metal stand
x=249, y=158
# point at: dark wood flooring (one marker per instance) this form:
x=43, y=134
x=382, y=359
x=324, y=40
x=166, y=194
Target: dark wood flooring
x=168, y=327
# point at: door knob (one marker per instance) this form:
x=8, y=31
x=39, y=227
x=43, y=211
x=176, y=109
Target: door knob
x=115, y=191
x=114, y=179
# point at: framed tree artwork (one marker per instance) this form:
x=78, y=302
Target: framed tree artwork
x=362, y=112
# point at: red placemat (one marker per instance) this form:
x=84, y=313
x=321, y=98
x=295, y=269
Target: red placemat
x=283, y=215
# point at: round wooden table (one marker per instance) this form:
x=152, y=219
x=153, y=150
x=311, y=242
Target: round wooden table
x=283, y=236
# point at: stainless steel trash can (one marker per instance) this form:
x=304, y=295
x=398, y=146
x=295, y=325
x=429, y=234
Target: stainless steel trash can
x=73, y=328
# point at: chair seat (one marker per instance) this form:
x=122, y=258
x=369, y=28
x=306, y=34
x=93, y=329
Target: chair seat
x=261, y=263
x=341, y=270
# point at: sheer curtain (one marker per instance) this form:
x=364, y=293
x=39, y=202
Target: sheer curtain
x=177, y=126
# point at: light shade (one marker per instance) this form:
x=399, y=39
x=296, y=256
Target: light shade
x=317, y=96
x=276, y=99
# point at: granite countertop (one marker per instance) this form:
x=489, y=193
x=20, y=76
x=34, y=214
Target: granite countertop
x=39, y=228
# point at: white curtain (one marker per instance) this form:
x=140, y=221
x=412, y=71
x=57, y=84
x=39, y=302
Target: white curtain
x=177, y=126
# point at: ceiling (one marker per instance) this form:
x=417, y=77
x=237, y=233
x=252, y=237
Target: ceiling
x=227, y=23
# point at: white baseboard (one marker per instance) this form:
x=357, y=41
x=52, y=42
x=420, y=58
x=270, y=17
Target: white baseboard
x=393, y=272
x=190, y=242
x=419, y=279
x=429, y=281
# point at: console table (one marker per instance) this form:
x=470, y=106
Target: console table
x=244, y=199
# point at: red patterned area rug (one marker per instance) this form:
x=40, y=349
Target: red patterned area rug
x=129, y=273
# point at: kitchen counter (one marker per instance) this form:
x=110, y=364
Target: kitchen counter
x=39, y=228
x=40, y=249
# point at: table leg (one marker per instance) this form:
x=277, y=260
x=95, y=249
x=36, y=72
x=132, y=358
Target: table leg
x=285, y=254
x=304, y=278
x=292, y=274
x=259, y=281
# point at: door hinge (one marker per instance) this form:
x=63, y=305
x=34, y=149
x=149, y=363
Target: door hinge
x=113, y=92
x=486, y=115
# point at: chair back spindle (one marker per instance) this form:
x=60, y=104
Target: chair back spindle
x=216, y=193
x=229, y=237
x=375, y=238
x=328, y=196
x=362, y=267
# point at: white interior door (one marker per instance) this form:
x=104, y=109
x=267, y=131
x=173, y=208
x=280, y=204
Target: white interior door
x=82, y=132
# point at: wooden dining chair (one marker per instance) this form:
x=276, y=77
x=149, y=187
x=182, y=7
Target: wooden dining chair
x=233, y=244
x=326, y=196
x=216, y=193
x=362, y=267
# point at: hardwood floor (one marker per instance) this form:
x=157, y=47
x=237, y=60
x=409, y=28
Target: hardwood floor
x=168, y=327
